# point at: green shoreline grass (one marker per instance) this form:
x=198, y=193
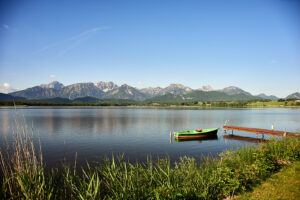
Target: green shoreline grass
x=234, y=172
x=284, y=184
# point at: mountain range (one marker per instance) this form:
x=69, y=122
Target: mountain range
x=295, y=95
x=109, y=90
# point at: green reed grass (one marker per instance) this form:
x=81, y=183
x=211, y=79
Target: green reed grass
x=234, y=171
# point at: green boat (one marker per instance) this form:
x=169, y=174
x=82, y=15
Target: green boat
x=193, y=134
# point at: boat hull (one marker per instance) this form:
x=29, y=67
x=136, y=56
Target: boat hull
x=195, y=134
x=200, y=140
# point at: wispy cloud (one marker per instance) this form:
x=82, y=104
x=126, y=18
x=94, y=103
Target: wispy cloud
x=6, y=88
x=49, y=46
x=73, y=41
x=5, y=26
x=52, y=76
x=88, y=32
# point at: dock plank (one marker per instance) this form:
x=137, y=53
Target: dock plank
x=262, y=131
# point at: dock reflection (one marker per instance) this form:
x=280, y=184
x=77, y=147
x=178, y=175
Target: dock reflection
x=210, y=137
x=246, y=139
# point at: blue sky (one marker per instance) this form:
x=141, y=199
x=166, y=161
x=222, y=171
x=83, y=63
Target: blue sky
x=252, y=44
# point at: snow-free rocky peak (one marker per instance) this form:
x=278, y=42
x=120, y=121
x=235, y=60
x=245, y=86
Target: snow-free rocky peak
x=234, y=90
x=55, y=85
x=106, y=86
x=295, y=95
x=264, y=96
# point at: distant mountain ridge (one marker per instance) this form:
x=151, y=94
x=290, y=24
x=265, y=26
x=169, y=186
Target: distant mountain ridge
x=110, y=90
x=264, y=96
x=234, y=90
x=55, y=85
x=80, y=90
x=200, y=96
x=125, y=92
x=107, y=90
x=7, y=97
x=106, y=86
x=172, y=88
x=295, y=95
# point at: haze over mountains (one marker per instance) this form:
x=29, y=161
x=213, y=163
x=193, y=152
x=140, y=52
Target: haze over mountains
x=110, y=90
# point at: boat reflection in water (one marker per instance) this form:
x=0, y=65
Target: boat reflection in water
x=246, y=139
x=208, y=137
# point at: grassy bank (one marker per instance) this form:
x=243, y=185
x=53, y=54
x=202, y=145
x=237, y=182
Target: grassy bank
x=283, y=185
x=274, y=104
x=236, y=171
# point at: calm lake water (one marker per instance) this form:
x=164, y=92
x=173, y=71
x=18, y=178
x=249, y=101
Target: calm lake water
x=137, y=132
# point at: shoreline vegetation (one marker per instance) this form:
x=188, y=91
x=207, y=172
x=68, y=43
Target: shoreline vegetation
x=233, y=172
x=123, y=102
x=284, y=184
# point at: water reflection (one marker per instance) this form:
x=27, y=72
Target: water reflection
x=111, y=122
x=5, y=122
x=243, y=138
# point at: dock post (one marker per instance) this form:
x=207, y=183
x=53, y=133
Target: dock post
x=284, y=134
x=224, y=131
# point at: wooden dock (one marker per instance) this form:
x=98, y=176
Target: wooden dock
x=262, y=131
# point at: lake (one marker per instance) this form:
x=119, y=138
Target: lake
x=96, y=132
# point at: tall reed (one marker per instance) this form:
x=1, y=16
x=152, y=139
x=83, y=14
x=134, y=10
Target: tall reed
x=22, y=165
